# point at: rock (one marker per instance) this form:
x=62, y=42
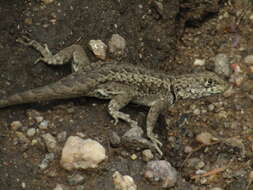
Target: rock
x=75, y=179
x=22, y=138
x=43, y=125
x=188, y=149
x=81, y=154
x=47, y=1
x=248, y=59
x=39, y=119
x=133, y=139
x=204, y=138
x=216, y=188
x=50, y=142
x=161, y=171
x=80, y=187
x=147, y=155
x=222, y=64
x=237, y=79
x=117, y=44
x=199, y=62
x=98, y=48
x=211, y=107
x=61, y=187
x=115, y=139
x=48, y=158
x=193, y=163
x=31, y=132
x=133, y=157
x=123, y=182
x=15, y=125
x=61, y=137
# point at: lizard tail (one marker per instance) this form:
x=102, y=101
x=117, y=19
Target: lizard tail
x=72, y=86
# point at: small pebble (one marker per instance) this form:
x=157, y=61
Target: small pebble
x=45, y=162
x=50, y=142
x=15, y=125
x=23, y=185
x=147, y=155
x=200, y=165
x=117, y=44
x=47, y=1
x=123, y=182
x=134, y=157
x=193, y=162
x=80, y=187
x=204, y=138
x=31, y=132
x=196, y=111
x=61, y=187
x=199, y=62
x=44, y=125
x=115, y=139
x=211, y=107
x=22, y=138
x=161, y=171
x=188, y=149
x=237, y=79
x=248, y=59
x=75, y=179
x=222, y=64
x=39, y=119
x=216, y=188
x=61, y=137
x=98, y=48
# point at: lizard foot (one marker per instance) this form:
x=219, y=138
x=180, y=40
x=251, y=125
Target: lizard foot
x=157, y=144
x=125, y=117
x=44, y=50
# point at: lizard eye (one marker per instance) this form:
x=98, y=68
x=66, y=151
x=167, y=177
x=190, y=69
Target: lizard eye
x=209, y=82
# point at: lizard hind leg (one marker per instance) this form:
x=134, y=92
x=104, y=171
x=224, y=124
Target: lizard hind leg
x=152, y=117
x=117, y=102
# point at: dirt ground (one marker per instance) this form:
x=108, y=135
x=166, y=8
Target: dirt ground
x=170, y=39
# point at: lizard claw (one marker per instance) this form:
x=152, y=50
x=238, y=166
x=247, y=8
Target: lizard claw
x=115, y=120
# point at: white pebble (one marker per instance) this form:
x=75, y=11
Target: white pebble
x=123, y=182
x=117, y=44
x=81, y=154
x=98, y=48
x=199, y=62
x=16, y=125
x=248, y=59
x=31, y=132
x=204, y=138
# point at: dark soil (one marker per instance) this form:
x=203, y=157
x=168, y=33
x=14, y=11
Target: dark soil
x=167, y=39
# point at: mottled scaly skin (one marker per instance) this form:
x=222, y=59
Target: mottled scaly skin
x=145, y=82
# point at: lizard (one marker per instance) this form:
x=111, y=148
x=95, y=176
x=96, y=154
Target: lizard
x=121, y=83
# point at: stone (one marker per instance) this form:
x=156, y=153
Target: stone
x=222, y=65
x=248, y=59
x=161, y=171
x=50, y=142
x=147, y=155
x=117, y=44
x=204, y=138
x=81, y=154
x=98, y=48
x=123, y=182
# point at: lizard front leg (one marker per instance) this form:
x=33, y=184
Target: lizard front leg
x=156, y=108
x=80, y=61
x=119, y=101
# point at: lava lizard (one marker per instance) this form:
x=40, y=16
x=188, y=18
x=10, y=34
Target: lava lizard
x=121, y=83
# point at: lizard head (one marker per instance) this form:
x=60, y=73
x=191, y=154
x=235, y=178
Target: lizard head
x=199, y=85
